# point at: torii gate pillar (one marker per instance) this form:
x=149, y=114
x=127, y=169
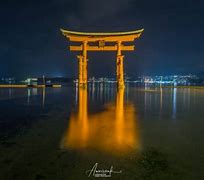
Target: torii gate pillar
x=82, y=70
x=119, y=66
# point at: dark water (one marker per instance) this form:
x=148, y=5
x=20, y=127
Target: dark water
x=145, y=133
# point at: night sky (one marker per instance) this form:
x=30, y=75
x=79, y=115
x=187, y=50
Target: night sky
x=31, y=43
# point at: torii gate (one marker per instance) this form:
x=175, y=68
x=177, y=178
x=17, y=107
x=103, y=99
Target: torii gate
x=87, y=39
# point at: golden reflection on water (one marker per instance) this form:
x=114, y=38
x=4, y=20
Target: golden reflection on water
x=113, y=130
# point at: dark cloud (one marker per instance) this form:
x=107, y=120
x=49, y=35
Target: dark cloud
x=31, y=43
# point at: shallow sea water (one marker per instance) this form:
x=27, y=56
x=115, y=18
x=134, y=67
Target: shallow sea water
x=145, y=133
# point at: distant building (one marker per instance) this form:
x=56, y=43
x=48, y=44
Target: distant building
x=31, y=81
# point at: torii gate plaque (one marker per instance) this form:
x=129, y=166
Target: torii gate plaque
x=86, y=39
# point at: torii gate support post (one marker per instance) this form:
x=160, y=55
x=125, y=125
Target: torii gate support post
x=84, y=69
x=82, y=79
x=119, y=66
x=80, y=70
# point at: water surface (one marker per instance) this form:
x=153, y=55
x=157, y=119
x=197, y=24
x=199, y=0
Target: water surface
x=146, y=133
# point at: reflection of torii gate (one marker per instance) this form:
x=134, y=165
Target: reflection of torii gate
x=87, y=40
x=113, y=130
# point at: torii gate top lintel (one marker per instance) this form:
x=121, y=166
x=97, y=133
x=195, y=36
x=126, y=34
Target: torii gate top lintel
x=106, y=36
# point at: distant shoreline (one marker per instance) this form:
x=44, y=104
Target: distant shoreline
x=198, y=87
x=28, y=86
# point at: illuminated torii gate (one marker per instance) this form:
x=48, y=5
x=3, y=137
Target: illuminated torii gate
x=88, y=39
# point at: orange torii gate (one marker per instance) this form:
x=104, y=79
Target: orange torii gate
x=87, y=41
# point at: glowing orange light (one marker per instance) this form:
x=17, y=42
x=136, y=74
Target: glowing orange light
x=118, y=38
x=114, y=130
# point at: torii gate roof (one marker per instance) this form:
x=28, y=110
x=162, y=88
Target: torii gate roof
x=66, y=32
x=108, y=36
